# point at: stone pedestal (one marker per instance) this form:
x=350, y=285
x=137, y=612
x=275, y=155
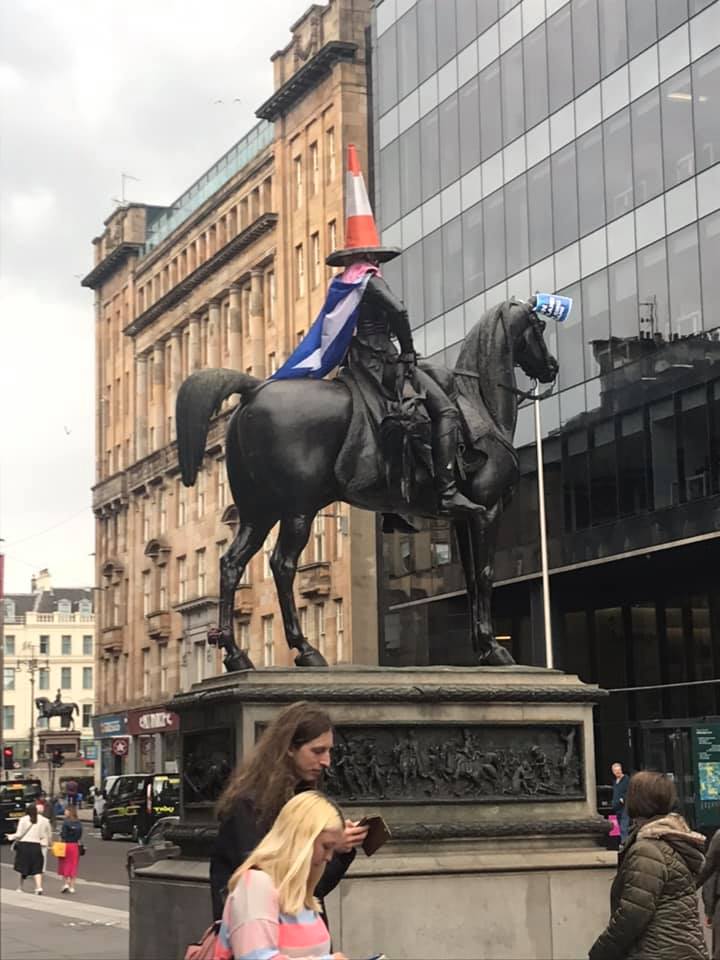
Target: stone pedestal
x=485, y=777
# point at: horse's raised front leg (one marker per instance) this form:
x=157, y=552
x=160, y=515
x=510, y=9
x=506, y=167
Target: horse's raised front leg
x=294, y=534
x=248, y=540
x=483, y=538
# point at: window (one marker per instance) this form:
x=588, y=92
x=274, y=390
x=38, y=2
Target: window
x=163, y=578
x=181, y=503
x=85, y=607
x=182, y=579
x=66, y=645
x=319, y=538
x=332, y=236
x=410, y=182
x=490, y=111
x=268, y=645
x=201, y=487
x=613, y=35
x=9, y=606
x=162, y=506
x=387, y=85
x=647, y=146
x=200, y=566
x=618, y=164
x=314, y=168
x=9, y=645
x=163, y=669
x=66, y=678
x=591, y=181
x=706, y=87
x=315, y=253
x=535, y=71
x=330, y=154
x=684, y=275
x=87, y=645
x=298, y=181
x=199, y=651
x=147, y=591
x=64, y=607
x=299, y=271
x=339, y=631
x=267, y=552
x=272, y=295
x=678, y=152
x=429, y=157
x=303, y=615
x=8, y=678
x=43, y=678
x=87, y=678
x=8, y=718
x=221, y=484
x=272, y=364
x=244, y=636
x=340, y=530
x=146, y=672
x=146, y=508
x=87, y=715
x=516, y=226
x=320, y=625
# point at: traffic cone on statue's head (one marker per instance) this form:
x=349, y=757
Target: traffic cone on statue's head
x=361, y=236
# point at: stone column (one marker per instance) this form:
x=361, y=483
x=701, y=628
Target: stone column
x=159, y=394
x=235, y=344
x=213, y=334
x=194, y=344
x=175, y=373
x=141, y=406
x=257, y=324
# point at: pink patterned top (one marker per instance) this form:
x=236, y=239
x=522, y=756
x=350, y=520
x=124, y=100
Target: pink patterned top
x=253, y=928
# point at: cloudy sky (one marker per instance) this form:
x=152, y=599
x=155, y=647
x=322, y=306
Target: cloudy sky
x=90, y=89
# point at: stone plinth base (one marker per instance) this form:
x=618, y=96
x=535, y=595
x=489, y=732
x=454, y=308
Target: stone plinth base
x=485, y=777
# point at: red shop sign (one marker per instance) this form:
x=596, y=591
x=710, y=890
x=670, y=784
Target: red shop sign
x=155, y=720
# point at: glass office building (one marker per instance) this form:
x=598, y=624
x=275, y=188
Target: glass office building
x=571, y=147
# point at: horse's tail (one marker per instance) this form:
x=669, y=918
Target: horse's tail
x=199, y=397
x=77, y=709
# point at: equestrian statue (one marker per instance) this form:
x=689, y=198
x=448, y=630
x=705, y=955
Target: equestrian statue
x=389, y=433
x=56, y=708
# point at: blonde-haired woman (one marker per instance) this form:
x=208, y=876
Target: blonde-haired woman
x=271, y=910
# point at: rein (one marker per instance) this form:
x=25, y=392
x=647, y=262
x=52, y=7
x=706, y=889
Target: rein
x=521, y=394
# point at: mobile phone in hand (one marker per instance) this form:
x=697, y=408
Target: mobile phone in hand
x=378, y=834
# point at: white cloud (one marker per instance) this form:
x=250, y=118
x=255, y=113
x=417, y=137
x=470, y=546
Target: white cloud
x=90, y=90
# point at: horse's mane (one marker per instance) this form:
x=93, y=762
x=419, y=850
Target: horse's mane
x=486, y=350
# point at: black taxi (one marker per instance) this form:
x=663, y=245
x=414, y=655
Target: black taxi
x=15, y=795
x=136, y=801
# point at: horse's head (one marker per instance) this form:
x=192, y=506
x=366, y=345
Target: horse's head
x=530, y=351
x=40, y=702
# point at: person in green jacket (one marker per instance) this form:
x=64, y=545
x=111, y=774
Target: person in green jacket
x=710, y=880
x=653, y=901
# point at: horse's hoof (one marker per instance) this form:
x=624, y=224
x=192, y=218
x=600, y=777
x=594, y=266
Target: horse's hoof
x=238, y=660
x=310, y=657
x=495, y=656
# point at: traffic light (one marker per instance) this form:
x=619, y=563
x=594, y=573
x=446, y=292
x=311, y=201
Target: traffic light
x=8, y=757
x=57, y=758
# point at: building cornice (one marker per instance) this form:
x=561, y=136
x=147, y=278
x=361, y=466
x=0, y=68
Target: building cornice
x=307, y=77
x=258, y=228
x=110, y=264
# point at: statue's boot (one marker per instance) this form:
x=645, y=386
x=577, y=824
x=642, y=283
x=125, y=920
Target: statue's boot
x=444, y=454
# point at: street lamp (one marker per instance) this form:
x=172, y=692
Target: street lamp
x=32, y=664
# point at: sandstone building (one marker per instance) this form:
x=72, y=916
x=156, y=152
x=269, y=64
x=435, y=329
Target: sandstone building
x=231, y=274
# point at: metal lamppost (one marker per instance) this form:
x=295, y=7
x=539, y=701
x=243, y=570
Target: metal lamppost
x=549, y=661
x=32, y=664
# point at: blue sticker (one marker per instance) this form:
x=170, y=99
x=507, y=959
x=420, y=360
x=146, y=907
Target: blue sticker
x=553, y=306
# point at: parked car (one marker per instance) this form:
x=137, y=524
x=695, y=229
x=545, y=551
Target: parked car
x=99, y=799
x=152, y=846
x=15, y=795
x=136, y=801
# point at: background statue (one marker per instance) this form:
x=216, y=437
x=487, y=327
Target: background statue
x=56, y=708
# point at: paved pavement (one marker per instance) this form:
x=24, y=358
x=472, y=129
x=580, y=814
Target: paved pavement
x=90, y=925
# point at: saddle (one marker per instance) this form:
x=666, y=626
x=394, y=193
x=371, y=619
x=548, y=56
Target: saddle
x=386, y=458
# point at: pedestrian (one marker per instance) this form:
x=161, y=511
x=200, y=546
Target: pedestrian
x=620, y=789
x=653, y=900
x=271, y=909
x=32, y=837
x=58, y=806
x=70, y=834
x=71, y=792
x=710, y=880
x=290, y=756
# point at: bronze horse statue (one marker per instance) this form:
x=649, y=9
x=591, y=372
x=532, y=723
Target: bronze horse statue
x=283, y=441
x=46, y=708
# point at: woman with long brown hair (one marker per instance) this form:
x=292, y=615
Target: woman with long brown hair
x=291, y=756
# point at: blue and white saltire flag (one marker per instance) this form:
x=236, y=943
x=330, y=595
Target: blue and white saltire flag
x=325, y=344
